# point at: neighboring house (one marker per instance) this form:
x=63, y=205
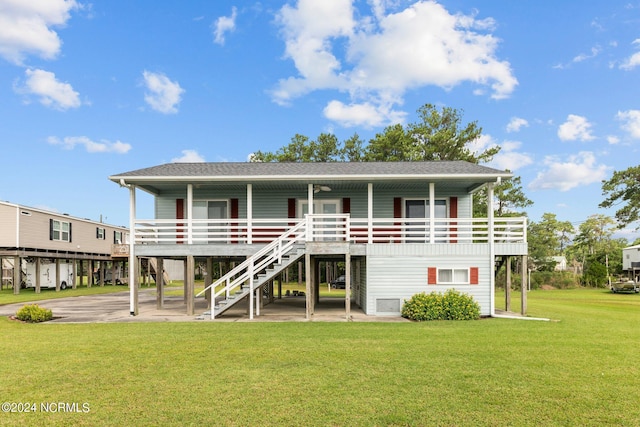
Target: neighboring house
x=561, y=263
x=631, y=261
x=400, y=227
x=44, y=243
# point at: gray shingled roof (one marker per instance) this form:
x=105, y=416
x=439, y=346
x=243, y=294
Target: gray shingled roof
x=301, y=170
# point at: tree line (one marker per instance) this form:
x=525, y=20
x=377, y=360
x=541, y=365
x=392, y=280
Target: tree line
x=441, y=134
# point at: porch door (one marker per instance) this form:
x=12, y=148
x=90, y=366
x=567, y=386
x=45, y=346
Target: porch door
x=325, y=227
x=419, y=209
x=216, y=231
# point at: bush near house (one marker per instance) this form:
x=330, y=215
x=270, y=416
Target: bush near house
x=34, y=313
x=452, y=305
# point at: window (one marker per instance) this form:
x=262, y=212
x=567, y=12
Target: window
x=100, y=233
x=453, y=275
x=418, y=231
x=59, y=230
x=117, y=237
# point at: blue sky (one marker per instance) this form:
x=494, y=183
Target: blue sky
x=92, y=89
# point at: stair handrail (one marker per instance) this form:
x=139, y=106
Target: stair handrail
x=267, y=256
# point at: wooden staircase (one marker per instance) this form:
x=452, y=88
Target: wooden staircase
x=224, y=303
x=256, y=271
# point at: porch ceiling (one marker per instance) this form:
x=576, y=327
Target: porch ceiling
x=459, y=185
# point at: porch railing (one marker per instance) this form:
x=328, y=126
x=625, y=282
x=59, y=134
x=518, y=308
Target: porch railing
x=327, y=228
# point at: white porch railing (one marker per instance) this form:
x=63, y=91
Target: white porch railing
x=338, y=227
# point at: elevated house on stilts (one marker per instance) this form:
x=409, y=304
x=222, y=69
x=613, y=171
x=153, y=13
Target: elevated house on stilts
x=400, y=228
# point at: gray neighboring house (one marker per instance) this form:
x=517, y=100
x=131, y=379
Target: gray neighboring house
x=47, y=246
x=399, y=227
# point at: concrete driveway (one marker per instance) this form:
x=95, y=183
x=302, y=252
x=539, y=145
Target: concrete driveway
x=115, y=308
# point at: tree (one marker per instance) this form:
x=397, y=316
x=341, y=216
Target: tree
x=508, y=196
x=593, y=243
x=594, y=234
x=545, y=240
x=326, y=148
x=623, y=187
x=438, y=135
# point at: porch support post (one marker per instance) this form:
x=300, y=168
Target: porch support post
x=310, y=199
x=133, y=265
x=190, y=214
x=37, y=261
x=432, y=212
x=280, y=286
x=91, y=277
x=191, y=272
x=523, y=286
x=252, y=297
x=17, y=274
x=58, y=274
x=185, y=282
x=310, y=212
x=159, y=283
x=370, y=213
x=113, y=273
x=102, y=272
x=347, y=286
x=308, y=272
x=209, y=280
x=492, y=250
x=80, y=280
x=507, y=286
x=249, y=213
x=75, y=274
x=316, y=283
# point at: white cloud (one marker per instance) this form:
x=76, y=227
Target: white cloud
x=516, y=123
x=364, y=114
x=223, y=25
x=507, y=158
x=631, y=122
x=376, y=59
x=579, y=170
x=188, y=156
x=575, y=128
x=26, y=27
x=510, y=158
x=162, y=94
x=584, y=56
x=50, y=91
x=104, y=146
x=633, y=61
x=613, y=140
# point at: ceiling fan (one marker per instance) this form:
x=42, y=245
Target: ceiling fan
x=318, y=188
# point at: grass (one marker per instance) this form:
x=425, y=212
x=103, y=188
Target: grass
x=581, y=369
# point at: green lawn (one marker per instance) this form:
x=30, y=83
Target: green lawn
x=581, y=369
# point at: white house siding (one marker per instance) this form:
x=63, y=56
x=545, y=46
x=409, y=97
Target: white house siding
x=361, y=284
x=396, y=272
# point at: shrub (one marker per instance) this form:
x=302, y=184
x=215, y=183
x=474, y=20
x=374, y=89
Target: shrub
x=34, y=313
x=452, y=305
